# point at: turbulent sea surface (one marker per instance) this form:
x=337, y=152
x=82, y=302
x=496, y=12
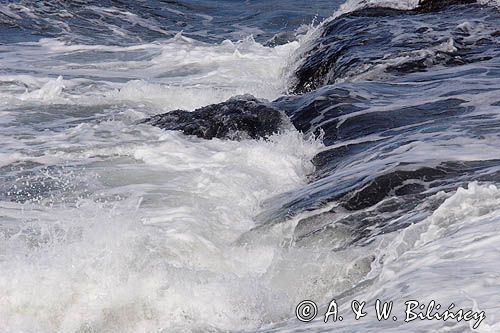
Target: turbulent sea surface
x=381, y=181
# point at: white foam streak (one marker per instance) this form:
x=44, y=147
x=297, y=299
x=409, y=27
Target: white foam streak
x=131, y=264
x=178, y=73
x=493, y=3
x=450, y=257
x=50, y=91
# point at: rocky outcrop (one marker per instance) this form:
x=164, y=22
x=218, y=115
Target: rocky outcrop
x=238, y=118
x=362, y=43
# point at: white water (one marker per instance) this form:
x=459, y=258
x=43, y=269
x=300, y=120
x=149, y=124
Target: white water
x=450, y=257
x=177, y=73
x=156, y=248
x=137, y=230
x=141, y=231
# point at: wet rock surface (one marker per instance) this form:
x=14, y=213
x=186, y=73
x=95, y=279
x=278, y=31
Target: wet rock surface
x=365, y=44
x=238, y=118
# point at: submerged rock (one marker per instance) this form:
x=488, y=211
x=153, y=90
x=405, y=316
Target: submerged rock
x=281, y=39
x=435, y=5
x=238, y=118
x=363, y=45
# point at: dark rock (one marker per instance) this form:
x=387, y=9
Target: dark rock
x=238, y=118
x=383, y=185
x=381, y=122
x=409, y=183
x=328, y=160
x=356, y=42
x=324, y=106
x=435, y=5
x=281, y=39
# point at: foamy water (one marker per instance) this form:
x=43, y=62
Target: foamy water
x=108, y=225
x=142, y=220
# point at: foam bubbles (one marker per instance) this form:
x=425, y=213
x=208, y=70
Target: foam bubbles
x=177, y=73
x=159, y=230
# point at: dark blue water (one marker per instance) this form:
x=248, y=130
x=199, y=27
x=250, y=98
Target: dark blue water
x=211, y=21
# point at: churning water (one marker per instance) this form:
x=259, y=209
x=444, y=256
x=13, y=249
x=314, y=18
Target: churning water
x=382, y=184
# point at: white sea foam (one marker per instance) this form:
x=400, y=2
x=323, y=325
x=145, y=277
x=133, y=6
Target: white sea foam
x=372, y=71
x=494, y=3
x=442, y=258
x=131, y=264
x=165, y=209
x=140, y=229
x=177, y=73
